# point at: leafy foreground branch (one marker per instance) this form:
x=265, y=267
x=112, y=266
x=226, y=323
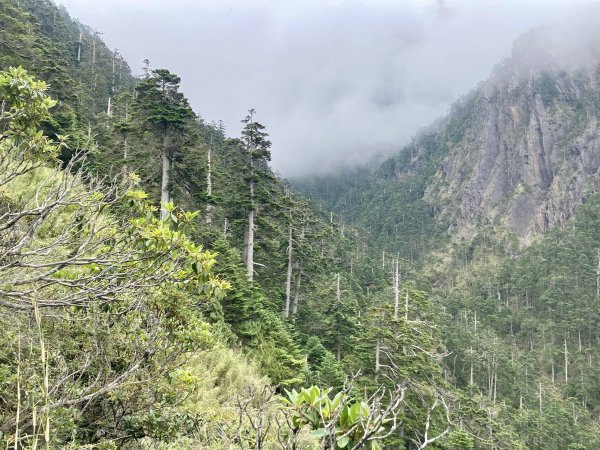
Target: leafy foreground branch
x=119, y=284
x=69, y=239
x=311, y=418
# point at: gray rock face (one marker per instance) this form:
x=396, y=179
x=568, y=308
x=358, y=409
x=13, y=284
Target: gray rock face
x=528, y=151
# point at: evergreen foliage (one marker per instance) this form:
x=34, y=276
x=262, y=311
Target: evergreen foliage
x=360, y=322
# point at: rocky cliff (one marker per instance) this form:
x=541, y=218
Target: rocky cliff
x=521, y=150
x=524, y=146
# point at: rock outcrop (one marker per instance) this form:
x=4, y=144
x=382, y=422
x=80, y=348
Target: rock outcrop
x=523, y=148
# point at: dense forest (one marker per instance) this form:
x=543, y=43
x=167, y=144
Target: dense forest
x=162, y=288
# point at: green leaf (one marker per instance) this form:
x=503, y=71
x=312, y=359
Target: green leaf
x=336, y=400
x=343, y=441
x=344, y=417
x=354, y=413
x=364, y=409
x=319, y=432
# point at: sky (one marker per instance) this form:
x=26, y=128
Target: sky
x=335, y=82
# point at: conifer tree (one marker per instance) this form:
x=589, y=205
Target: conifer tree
x=165, y=110
x=256, y=146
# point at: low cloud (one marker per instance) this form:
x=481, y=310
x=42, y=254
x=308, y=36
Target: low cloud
x=335, y=82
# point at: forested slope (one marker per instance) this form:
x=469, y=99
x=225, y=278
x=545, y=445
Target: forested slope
x=161, y=288
x=498, y=202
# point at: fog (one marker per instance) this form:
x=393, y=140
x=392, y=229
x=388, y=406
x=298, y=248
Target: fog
x=335, y=82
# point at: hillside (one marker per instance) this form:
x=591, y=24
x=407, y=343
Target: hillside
x=497, y=204
x=519, y=150
x=161, y=287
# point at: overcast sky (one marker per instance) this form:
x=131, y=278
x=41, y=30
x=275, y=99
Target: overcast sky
x=335, y=82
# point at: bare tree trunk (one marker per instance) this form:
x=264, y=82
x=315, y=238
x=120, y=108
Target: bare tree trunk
x=377, y=365
x=288, y=282
x=471, y=375
x=165, y=194
x=18, y=412
x=112, y=85
x=521, y=401
x=209, y=206
x=94, y=49
x=490, y=380
x=209, y=172
x=297, y=293
x=250, y=246
x=598, y=277
x=541, y=398
x=406, y=306
x=338, y=296
x=566, y=363
x=396, y=292
x=79, y=47
x=495, y=385
x=249, y=237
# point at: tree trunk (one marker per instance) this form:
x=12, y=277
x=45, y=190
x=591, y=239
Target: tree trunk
x=521, y=401
x=396, y=292
x=471, y=372
x=541, y=398
x=165, y=194
x=566, y=363
x=79, y=47
x=249, y=237
x=338, y=296
x=94, y=50
x=250, y=246
x=112, y=85
x=377, y=366
x=598, y=278
x=209, y=206
x=495, y=385
x=288, y=281
x=297, y=294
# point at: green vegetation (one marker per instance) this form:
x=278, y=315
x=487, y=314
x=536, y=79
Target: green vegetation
x=132, y=323
x=200, y=302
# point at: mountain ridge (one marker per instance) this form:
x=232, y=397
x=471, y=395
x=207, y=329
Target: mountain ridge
x=519, y=150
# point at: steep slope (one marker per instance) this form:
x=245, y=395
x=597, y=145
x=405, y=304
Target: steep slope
x=497, y=202
x=81, y=71
x=521, y=149
x=524, y=153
